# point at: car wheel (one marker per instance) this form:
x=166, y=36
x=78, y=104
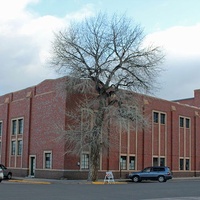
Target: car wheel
x=136, y=179
x=9, y=176
x=161, y=179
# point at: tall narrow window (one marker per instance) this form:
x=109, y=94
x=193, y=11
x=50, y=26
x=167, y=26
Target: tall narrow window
x=47, y=160
x=155, y=117
x=162, y=161
x=181, y=121
x=20, y=126
x=14, y=127
x=85, y=161
x=0, y=148
x=181, y=164
x=19, y=147
x=123, y=162
x=187, y=164
x=187, y=121
x=132, y=162
x=13, y=147
x=155, y=161
x=1, y=128
x=162, y=118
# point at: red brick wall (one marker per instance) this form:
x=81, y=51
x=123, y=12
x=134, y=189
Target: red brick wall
x=43, y=108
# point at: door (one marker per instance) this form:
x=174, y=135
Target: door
x=32, y=166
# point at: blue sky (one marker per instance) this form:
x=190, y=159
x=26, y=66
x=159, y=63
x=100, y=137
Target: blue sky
x=26, y=30
x=152, y=14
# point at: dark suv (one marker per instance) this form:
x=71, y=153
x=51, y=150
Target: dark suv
x=161, y=174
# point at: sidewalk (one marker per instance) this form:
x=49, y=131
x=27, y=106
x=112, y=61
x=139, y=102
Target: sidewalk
x=66, y=181
x=63, y=181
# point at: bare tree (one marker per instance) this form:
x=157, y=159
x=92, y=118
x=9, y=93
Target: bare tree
x=106, y=60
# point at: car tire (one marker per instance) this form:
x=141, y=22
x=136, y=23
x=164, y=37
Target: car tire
x=136, y=179
x=9, y=176
x=161, y=179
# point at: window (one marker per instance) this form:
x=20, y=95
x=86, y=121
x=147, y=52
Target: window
x=17, y=126
x=162, y=161
x=123, y=164
x=158, y=169
x=47, y=160
x=19, y=147
x=132, y=162
x=1, y=128
x=85, y=161
x=158, y=161
x=181, y=122
x=181, y=164
x=14, y=127
x=148, y=169
x=13, y=147
x=155, y=117
x=159, y=117
x=187, y=164
x=20, y=126
x=155, y=161
x=162, y=118
x=187, y=121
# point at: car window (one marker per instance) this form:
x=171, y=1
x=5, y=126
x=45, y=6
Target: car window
x=2, y=167
x=158, y=169
x=148, y=169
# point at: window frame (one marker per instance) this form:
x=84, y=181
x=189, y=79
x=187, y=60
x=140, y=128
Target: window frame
x=13, y=148
x=14, y=126
x=45, y=164
x=19, y=147
x=187, y=164
x=20, y=126
x=17, y=126
x=155, y=117
x=123, y=162
x=1, y=128
x=85, y=158
x=187, y=122
x=181, y=164
x=162, y=118
x=132, y=164
x=181, y=122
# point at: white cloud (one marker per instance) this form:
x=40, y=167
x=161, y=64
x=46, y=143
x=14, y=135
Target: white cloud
x=25, y=40
x=25, y=43
x=182, y=62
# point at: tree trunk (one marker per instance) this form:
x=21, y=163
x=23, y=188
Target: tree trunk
x=96, y=142
x=94, y=161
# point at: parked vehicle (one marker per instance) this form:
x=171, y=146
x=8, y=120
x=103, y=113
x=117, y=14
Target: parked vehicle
x=159, y=173
x=6, y=172
x=1, y=175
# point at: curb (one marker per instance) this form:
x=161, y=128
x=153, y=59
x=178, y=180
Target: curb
x=107, y=183
x=31, y=181
x=51, y=182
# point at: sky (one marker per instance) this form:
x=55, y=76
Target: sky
x=27, y=27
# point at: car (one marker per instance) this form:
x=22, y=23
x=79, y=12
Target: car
x=6, y=172
x=159, y=173
x=1, y=175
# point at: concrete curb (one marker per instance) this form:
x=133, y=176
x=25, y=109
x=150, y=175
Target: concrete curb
x=31, y=181
x=47, y=182
x=81, y=182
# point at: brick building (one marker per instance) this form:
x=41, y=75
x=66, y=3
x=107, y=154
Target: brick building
x=29, y=144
